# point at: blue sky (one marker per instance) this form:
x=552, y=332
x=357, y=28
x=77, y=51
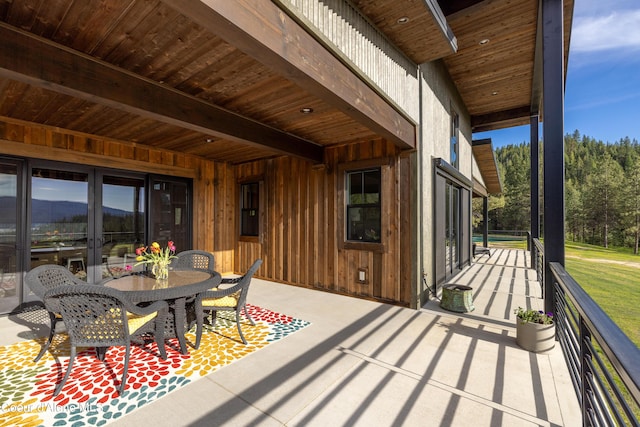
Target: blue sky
x=602, y=97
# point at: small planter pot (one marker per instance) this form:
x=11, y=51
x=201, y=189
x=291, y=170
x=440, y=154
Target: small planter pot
x=458, y=298
x=535, y=337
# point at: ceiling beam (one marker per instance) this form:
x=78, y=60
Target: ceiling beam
x=266, y=33
x=449, y=7
x=491, y=121
x=30, y=59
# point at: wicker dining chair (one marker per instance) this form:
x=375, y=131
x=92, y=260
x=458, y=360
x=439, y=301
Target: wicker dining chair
x=42, y=279
x=101, y=317
x=232, y=298
x=194, y=259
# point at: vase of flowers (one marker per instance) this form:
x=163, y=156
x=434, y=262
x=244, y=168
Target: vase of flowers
x=535, y=330
x=159, y=258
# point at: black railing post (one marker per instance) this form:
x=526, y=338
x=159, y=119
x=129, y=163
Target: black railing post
x=533, y=254
x=485, y=222
x=586, y=396
x=540, y=265
x=534, y=165
x=553, y=107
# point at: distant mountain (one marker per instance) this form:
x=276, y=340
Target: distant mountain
x=44, y=211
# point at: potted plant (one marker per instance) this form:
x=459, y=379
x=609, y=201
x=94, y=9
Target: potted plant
x=535, y=330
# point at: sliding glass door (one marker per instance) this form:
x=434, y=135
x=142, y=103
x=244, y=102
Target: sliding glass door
x=452, y=227
x=10, y=224
x=169, y=203
x=452, y=241
x=60, y=222
x=87, y=220
x=121, y=223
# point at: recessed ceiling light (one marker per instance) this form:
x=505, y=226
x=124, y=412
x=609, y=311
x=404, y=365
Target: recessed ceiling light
x=403, y=20
x=306, y=110
x=208, y=140
x=494, y=93
x=483, y=42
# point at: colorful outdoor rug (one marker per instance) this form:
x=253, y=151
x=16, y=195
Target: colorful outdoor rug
x=90, y=397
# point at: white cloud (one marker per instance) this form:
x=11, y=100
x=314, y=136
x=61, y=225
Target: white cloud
x=617, y=31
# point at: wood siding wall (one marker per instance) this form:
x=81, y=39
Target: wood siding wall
x=24, y=139
x=302, y=214
x=300, y=240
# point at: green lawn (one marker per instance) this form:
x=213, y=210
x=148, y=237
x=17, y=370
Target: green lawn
x=612, y=278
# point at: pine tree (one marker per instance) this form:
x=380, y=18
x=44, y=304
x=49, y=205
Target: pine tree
x=602, y=197
x=574, y=212
x=632, y=200
x=516, y=188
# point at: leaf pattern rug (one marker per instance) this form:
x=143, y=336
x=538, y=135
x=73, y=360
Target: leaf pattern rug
x=89, y=396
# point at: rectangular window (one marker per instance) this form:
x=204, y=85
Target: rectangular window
x=455, y=136
x=250, y=209
x=363, y=206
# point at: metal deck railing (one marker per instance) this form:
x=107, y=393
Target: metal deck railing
x=603, y=362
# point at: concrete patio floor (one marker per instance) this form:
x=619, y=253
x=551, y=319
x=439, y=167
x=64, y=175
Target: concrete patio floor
x=371, y=364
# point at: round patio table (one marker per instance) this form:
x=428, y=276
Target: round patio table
x=180, y=286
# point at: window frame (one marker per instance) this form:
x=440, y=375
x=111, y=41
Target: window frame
x=259, y=180
x=454, y=140
x=349, y=205
x=342, y=169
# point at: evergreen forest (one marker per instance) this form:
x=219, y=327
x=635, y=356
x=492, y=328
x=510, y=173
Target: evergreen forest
x=602, y=191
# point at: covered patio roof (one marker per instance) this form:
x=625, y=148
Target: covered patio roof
x=230, y=81
x=483, y=153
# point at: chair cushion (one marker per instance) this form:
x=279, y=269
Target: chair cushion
x=136, y=322
x=228, y=301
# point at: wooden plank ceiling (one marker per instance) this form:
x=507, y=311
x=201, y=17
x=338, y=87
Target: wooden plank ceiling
x=483, y=153
x=214, y=77
x=497, y=51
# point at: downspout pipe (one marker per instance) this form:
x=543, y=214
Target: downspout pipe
x=424, y=279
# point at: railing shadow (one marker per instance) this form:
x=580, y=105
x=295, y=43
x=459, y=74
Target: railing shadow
x=441, y=333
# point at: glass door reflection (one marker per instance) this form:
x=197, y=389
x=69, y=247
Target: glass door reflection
x=9, y=226
x=123, y=226
x=59, y=219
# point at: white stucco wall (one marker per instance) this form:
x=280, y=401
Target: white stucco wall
x=439, y=98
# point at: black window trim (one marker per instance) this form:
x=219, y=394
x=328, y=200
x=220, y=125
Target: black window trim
x=259, y=179
x=349, y=205
x=342, y=168
x=454, y=132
